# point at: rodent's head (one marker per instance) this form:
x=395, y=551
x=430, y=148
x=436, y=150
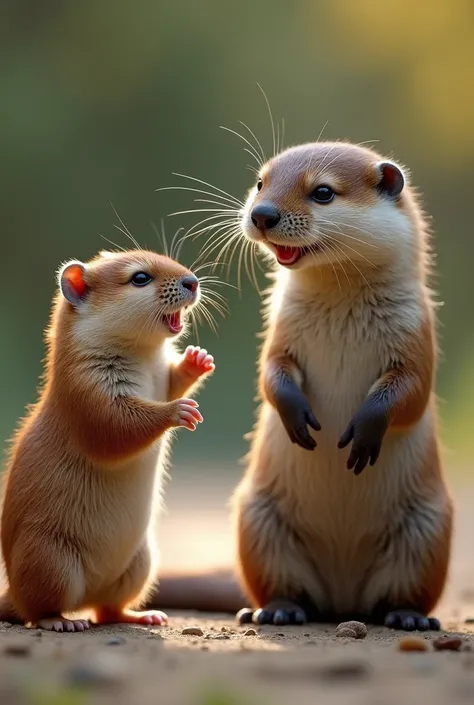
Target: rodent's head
x=327, y=203
x=137, y=297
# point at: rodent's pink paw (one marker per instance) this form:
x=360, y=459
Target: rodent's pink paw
x=188, y=414
x=152, y=618
x=60, y=624
x=198, y=361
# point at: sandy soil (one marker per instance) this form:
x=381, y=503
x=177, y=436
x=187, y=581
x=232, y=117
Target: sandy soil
x=222, y=665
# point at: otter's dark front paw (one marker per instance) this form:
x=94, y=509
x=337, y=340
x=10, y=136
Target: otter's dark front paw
x=280, y=612
x=296, y=414
x=410, y=621
x=367, y=430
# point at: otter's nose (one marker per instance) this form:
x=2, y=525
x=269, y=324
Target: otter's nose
x=265, y=216
x=190, y=283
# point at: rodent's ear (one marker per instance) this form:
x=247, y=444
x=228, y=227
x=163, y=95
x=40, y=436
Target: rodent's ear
x=72, y=282
x=391, y=180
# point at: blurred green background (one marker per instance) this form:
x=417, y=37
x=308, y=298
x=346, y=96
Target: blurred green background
x=102, y=101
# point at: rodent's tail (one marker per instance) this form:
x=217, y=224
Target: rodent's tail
x=207, y=591
x=7, y=611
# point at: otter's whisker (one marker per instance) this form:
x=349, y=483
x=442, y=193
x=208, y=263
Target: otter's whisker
x=252, y=150
x=271, y=118
x=226, y=201
x=259, y=145
x=205, y=183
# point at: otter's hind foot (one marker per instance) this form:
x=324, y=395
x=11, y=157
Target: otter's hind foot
x=410, y=621
x=278, y=612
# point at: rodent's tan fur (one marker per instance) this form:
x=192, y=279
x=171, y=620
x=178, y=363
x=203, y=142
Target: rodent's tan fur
x=354, y=317
x=86, y=465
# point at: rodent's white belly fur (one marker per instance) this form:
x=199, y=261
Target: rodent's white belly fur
x=341, y=517
x=134, y=490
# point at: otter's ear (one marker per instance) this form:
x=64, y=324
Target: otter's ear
x=72, y=282
x=391, y=180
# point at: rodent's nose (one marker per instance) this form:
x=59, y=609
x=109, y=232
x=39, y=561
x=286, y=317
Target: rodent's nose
x=265, y=216
x=190, y=283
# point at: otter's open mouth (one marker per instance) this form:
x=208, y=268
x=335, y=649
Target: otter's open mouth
x=173, y=321
x=289, y=255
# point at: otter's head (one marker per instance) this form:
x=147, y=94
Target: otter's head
x=136, y=297
x=330, y=203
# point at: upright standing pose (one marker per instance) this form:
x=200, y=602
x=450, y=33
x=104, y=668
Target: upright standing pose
x=343, y=510
x=86, y=465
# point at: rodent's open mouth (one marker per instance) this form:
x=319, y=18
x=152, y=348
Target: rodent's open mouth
x=288, y=255
x=173, y=321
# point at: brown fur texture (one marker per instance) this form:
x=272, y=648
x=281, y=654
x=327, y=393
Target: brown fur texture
x=350, y=339
x=85, y=469
x=351, y=326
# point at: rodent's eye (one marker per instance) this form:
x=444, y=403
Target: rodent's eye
x=140, y=279
x=259, y=184
x=323, y=194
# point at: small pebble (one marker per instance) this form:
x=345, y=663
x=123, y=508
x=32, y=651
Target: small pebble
x=221, y=636
x=306, y=634
x=358, y=627
x=412, y=643
x=447, y=643
x=346, y=632
x=115, y=641
x=224, y=629
x=38, y=633
x=469, y=620
x=250, y=632
x=344, y=671
x=192, y=631
x=5, y=625
x=17, y=650
x=100, y=672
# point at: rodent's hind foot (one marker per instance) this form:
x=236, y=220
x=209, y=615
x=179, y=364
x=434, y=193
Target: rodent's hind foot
x=112, y=615
x=61, y=624
x=410, y=621
x=277, y=612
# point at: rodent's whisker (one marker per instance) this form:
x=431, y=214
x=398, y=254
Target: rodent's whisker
x=351, y=261
x=203, y=313
x=271, y=118
x=325, y=252
x=176, y=245
x=219, y=236
x=124, y=228
x=192, y=232
x=322, y=130
x=344, y=244
x=111, y=242
x=228, y=238
x=222, y=308
x=227, y=209
x=217, y=241
x=202, y=210
x=216, y=188
x=261, y=150
x=232, y=201
x=252, y=151
x=162, y=235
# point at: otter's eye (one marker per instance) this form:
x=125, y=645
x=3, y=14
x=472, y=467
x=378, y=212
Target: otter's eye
x=259, y=184
x=140, y=279
x=322, y=194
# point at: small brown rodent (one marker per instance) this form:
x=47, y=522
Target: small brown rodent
x=85, y=469
x=347, y=374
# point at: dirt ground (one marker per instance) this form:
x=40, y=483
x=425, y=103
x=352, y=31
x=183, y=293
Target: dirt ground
x=222, y=665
